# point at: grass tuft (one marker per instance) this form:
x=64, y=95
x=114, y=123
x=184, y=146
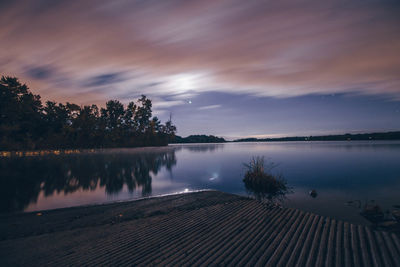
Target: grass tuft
x=260, y=182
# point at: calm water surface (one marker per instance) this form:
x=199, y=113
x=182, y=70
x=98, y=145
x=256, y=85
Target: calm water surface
x=340, y=172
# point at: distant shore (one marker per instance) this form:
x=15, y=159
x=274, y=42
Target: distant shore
x=340, y=137
x=198, y=139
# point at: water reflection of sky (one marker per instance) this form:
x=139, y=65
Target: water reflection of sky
x=339, y=171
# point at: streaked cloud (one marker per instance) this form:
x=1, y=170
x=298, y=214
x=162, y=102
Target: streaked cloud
x=264, y=48
x=209, y=107
x=103, y=79
x=254, y=57
x=165, y=104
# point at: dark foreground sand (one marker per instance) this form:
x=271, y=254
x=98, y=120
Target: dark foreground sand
x=203, y=228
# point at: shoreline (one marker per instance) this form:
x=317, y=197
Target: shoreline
x=106, y=202
x=208, y=227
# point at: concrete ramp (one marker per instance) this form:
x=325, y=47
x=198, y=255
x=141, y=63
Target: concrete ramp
x=196, y=229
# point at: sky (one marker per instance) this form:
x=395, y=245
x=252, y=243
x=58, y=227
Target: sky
x=229, y=68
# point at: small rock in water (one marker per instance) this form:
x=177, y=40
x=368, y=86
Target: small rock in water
x=313, y=193
x=388, y=224
x=396, y=215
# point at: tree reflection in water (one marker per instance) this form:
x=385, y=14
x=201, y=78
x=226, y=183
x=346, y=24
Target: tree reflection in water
x=23, y=178
x=203, y=147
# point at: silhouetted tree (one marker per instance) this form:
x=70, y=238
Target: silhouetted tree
x=143, y=114
x=26, y=124
x=20, y=118
x=87, y=128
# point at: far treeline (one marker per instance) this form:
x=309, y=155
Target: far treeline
x=341, y=137
x=27, y=124
x=198, y=139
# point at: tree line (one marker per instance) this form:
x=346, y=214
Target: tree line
x=198, y=139
x=27, y=124
x=339, y=137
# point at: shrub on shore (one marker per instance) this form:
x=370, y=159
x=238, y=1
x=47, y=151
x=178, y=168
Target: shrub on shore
x=264, y=185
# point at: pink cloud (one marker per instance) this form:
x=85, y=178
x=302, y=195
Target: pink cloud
x=264, y=48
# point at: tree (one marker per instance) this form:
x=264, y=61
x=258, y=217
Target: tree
x=26, y=124
x=86, y=127
x=143, y=114
x=112, y=117
x=20, y=114
x=130, y=123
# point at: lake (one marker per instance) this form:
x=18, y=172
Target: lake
x=346, y=175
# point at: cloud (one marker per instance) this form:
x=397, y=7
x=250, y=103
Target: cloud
x=278, y=49
x=209, y=107
x=166, y=104
x=103, y=79
x=39, y=72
